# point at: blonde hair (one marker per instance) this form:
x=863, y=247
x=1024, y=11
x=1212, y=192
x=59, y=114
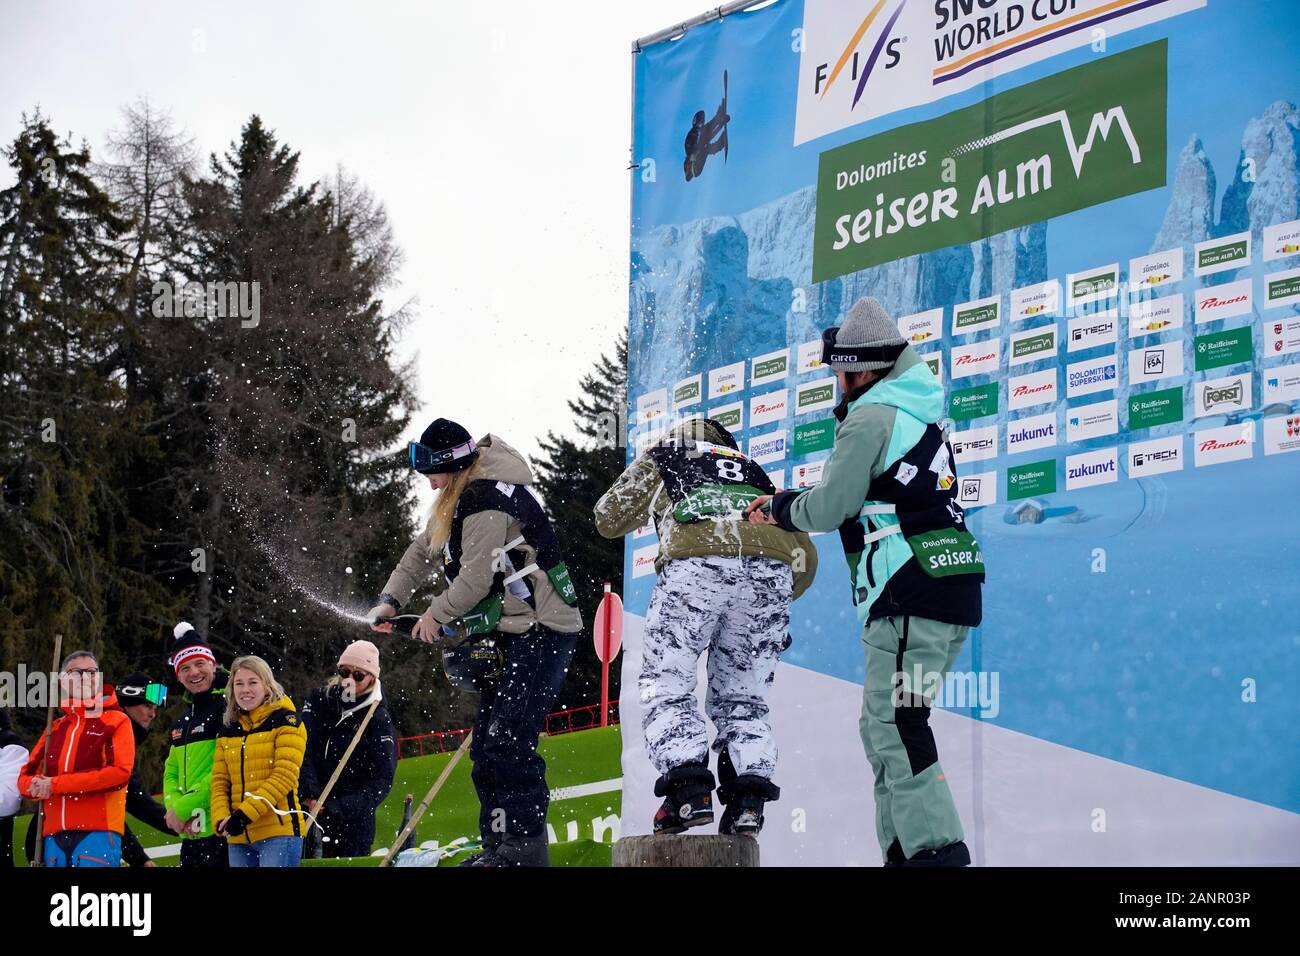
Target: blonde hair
x=262, y=670
x=444, y=506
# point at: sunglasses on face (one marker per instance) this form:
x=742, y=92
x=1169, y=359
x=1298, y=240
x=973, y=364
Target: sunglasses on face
x=357, y=676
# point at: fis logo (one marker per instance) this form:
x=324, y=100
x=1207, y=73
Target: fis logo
x=860, y=67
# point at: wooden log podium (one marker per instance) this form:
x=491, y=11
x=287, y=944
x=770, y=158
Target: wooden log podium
x=686, y=849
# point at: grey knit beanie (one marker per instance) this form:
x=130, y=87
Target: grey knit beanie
x=868, y=341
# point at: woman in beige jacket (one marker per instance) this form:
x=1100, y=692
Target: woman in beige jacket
x=504, y=593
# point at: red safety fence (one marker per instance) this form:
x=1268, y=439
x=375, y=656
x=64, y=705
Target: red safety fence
x=560, y=722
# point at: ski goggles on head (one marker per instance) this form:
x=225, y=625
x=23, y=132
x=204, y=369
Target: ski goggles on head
x=425, y=459
x=155, y=694
x=834, y=355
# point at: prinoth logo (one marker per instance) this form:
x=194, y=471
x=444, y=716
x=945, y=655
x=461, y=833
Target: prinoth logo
x=1025, y=391
x=1213, y=444
x=1215, y=395
x=762, y=408
x=975, y=359
x=1212, y=302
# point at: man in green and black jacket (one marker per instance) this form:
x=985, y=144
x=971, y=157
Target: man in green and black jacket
x=916, y=572
x=187, y=774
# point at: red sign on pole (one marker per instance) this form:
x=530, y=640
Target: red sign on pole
x=607, y=633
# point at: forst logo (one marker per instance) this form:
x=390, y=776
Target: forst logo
x=860, y=69
x=1223, y=394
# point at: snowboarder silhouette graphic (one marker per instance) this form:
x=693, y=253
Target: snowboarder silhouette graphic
x=707, y=137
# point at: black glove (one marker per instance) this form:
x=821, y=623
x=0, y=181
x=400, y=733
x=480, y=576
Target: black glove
x=236, y=823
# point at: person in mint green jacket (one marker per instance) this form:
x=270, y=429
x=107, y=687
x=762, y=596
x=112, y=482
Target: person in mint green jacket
x=187, y=774
x=915, y=570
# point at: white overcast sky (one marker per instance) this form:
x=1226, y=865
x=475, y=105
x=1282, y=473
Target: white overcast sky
x=495, y=133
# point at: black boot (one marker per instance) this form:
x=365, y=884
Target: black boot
x=743, y=796
x=894, y=855
x=954, y=854
x=518, y=850
x=688, y=799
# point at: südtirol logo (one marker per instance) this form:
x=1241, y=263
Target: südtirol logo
x=1081, y=137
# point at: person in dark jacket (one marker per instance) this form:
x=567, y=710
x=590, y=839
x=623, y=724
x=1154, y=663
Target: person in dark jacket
x=332, y=715
x=139, y=698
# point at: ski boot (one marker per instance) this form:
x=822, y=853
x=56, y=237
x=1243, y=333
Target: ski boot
x=688, y=799
x=954, y=854
x=483, y=857
x=518, y=850
x=743, y=796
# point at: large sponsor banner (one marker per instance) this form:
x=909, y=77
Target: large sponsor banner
x=1083, y=215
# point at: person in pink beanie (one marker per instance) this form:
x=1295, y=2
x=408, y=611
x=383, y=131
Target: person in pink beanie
x=332, y=715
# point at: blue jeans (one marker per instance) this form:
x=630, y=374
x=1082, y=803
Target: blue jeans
x=83, y=848
x=508, y=774
x=273, y=851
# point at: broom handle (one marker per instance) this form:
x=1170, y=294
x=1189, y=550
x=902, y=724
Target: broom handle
x=45, y=748
x=428, y=798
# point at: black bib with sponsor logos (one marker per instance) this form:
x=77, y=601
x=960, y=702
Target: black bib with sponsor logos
x=704, y=480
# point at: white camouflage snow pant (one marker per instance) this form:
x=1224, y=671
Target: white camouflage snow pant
x=738, y=609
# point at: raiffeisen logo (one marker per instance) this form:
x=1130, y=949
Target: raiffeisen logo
x=864, y=39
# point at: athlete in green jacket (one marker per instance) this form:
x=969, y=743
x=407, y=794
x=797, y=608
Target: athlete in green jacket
x=187, y=774
x=916, y=572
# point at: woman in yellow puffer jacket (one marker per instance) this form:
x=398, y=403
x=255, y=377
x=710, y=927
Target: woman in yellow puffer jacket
x=255, y=770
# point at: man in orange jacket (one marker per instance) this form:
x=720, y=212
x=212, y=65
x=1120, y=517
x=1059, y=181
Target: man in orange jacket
x=91, y=750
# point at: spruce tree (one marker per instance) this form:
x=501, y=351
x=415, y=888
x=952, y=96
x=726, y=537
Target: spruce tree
x=573, y=471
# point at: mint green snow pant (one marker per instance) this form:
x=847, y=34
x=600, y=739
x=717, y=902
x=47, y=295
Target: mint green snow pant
x=913, y=802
